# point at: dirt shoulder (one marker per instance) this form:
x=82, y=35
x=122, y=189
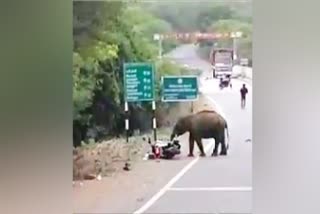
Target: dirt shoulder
x=122, y=191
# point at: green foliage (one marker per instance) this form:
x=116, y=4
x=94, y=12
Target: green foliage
x=107, y=34
x=164, y=68
x=83, y=85
x=146, y=25
x=213, y=14
x=195, y=16
x=223, y=16
x=230, y=25
x=89, y=52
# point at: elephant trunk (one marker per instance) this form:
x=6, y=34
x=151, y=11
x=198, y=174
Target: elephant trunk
x=173, y=135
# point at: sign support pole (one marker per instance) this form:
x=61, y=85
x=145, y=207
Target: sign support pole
x=126, y=109
x=192, y=107
x=154, y=121
x=235, y=48
x=160, y=47
x=159, y=38
x=138, y=86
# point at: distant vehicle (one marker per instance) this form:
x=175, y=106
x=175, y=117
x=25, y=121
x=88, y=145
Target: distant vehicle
x=225, y=81
x=244, y=62
x=222, y=62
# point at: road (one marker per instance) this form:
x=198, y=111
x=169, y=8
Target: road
x=212, y=184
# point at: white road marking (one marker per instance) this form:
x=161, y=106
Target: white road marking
x=164, y=189
x=212, y=189
x=217, y=106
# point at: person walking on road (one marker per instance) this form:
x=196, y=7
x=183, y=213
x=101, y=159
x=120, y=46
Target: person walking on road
x=243, y=92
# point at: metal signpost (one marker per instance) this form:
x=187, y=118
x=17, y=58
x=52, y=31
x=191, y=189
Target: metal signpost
x=138, y=87
x=159, y=37
x=235, y=36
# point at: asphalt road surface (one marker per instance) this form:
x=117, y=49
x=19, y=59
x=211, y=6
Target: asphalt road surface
x=212, y=184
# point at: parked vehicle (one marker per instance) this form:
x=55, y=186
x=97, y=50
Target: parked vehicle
x=222, y=62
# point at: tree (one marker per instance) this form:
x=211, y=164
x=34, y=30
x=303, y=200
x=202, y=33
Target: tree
x=213, y=14
x=146, y=25
x=107, y=34
x=230, y=25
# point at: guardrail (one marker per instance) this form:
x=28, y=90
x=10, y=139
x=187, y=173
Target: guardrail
x=242, y=72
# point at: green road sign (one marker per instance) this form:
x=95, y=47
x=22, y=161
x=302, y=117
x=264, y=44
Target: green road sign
x=179, y=88
x=138, y=82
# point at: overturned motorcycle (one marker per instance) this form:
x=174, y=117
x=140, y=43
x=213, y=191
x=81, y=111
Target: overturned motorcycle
x=163, y=149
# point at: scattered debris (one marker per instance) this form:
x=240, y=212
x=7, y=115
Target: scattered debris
x=126, y=167
x=106, y=158
x=90, y=176
x=146, y=157
x=140, y=199
x=99, y=177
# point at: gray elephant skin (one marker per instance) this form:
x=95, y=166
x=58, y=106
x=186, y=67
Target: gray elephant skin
x=203, y=125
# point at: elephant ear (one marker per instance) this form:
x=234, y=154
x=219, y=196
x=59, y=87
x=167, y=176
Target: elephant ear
x=186, y=123
x=182, y=125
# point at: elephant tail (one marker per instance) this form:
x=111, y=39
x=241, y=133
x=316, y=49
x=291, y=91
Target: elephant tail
x=227, y=129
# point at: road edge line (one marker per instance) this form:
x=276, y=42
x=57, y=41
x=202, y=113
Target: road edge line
x=217, y=106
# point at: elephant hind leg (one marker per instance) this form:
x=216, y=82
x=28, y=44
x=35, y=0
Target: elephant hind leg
x=200, y=146
x=223, y=151
x=223, y=146
x=216, y=146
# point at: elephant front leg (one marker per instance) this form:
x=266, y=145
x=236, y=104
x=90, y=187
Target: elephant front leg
x=200, y=146
x=191, y=146
x=216, y=147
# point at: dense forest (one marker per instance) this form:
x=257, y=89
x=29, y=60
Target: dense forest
x=209, y=17
x=107, y=34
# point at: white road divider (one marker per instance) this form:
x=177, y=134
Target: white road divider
x=242, y=71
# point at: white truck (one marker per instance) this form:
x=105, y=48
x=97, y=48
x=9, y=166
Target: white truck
x=222, y=62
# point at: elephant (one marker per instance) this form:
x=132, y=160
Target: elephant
x=204, y=124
